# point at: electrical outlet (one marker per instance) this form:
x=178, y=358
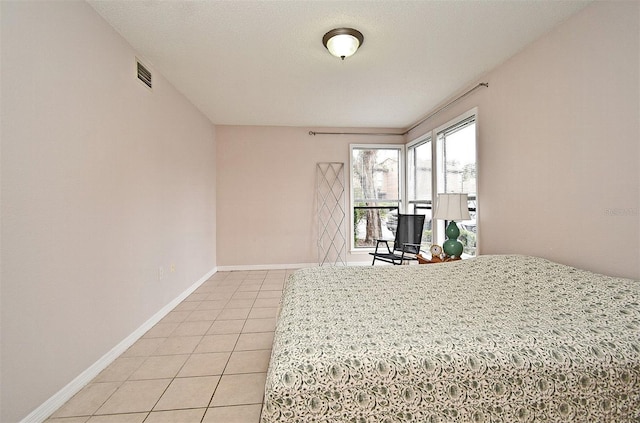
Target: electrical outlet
x=173, y=267
x=161, y=273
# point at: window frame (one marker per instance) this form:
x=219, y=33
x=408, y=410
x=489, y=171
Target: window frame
x=426, y=204
x=438, y=185
x=404, y=203
x=401, y=186
x=438, y=235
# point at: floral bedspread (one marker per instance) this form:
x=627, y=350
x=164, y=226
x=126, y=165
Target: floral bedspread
x=491, y=339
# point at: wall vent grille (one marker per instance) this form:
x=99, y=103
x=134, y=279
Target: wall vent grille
x=144, y=74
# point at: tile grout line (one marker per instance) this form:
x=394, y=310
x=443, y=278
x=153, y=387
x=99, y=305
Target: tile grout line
x=210, y=405
x=230, y=287
x=232, y=351
x=225, y=364
x=178, y=372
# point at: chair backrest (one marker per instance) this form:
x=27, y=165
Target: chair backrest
x=409, y=230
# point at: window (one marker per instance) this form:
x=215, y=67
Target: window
x=420, y=184
x=376, y=187
x=441, y=161
x=456, y=173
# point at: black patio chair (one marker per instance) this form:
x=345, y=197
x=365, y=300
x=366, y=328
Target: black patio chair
x=406, y=244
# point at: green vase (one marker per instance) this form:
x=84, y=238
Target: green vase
x=452, y=247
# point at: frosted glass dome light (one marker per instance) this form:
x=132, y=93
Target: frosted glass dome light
x=342, y=42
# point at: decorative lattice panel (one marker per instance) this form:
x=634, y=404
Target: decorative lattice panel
x=330, y=200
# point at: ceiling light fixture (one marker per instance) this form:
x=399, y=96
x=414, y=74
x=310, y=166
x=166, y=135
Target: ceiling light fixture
x=343, y=42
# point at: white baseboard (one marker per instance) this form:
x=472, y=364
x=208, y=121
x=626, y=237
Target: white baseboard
x=56, y=401
x=264, y=267
x=245, y=267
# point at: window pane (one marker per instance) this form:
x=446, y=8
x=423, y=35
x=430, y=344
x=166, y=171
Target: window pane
x=375, y=181
x=374, y=222
x=419, y=179
x=460, y=161
x=375, y=174
x=420, y=171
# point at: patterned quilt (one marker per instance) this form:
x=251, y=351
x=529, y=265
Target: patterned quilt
x=491, y=339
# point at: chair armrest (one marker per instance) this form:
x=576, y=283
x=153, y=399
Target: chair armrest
x=386, y=242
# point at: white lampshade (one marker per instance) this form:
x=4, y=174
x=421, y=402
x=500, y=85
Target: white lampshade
x=343, y=42
x=452, y=207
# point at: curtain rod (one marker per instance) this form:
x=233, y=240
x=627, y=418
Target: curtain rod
x=415, y=125
x=380, y=134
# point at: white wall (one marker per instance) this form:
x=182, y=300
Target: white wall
x=266, y=192
x=558, y=148
x=103, y=183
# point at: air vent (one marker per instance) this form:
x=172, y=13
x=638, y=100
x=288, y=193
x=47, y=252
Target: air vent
x=144, y=74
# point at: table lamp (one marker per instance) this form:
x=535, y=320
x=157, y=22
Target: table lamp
x=452, y=207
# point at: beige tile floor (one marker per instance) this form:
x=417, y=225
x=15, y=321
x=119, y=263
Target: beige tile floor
x=206, y=361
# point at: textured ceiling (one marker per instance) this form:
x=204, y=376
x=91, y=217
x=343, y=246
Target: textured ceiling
x=263, y=62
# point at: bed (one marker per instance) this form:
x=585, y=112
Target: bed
x=491, y=339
